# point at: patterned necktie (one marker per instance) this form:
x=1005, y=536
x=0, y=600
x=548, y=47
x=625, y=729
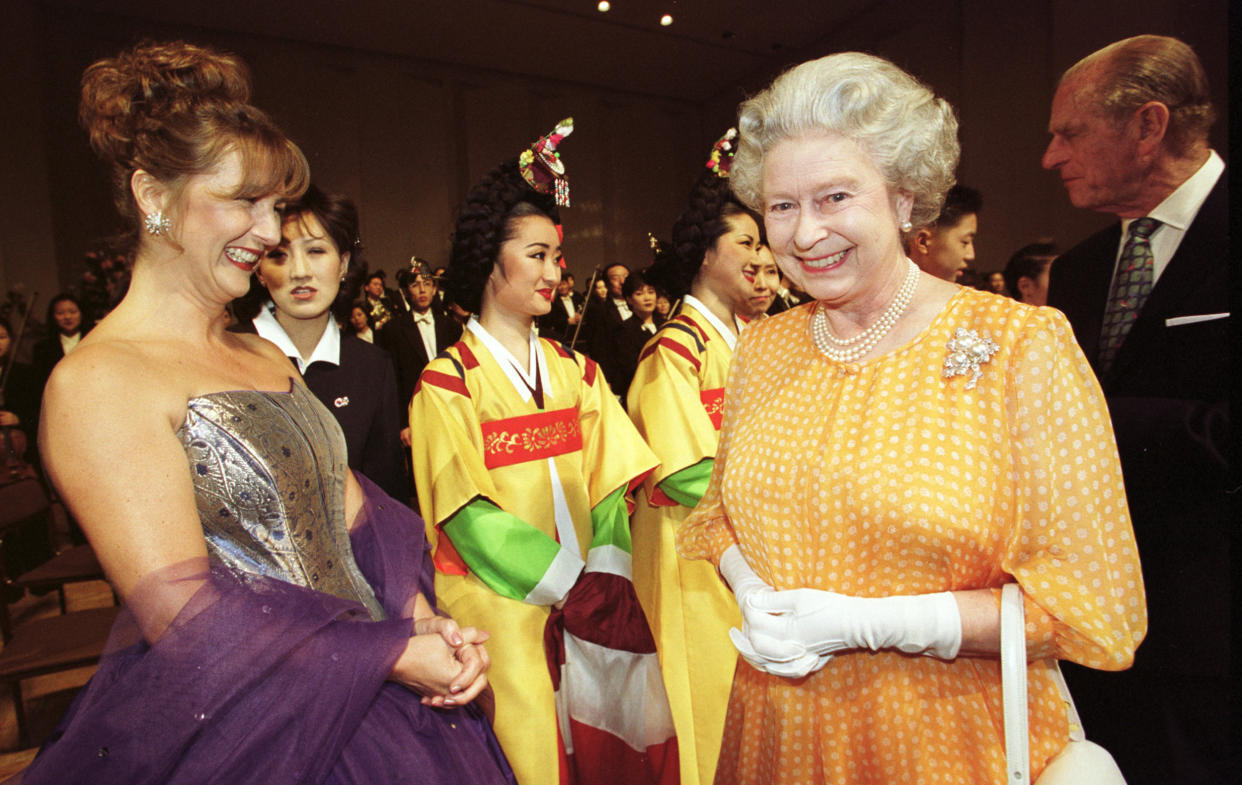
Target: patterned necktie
x=1131, y=286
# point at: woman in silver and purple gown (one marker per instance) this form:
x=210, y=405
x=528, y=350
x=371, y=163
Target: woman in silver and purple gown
x=276, y=625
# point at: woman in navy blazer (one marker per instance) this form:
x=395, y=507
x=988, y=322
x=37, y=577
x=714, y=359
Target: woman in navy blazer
x=300, y=285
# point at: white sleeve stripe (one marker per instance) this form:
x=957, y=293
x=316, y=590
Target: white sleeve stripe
x=556, y=582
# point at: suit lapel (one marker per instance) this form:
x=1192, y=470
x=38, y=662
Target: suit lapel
x=1190, y=283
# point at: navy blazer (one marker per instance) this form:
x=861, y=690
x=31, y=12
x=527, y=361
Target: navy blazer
x=361, y=393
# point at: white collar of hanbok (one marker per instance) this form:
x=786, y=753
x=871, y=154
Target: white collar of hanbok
x=522, y=381
x=725, y=332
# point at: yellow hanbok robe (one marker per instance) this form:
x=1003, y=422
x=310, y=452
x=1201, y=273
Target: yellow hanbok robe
x=676, y=402
x=483, y=440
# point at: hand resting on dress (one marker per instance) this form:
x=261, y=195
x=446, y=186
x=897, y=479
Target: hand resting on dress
x=443, y=663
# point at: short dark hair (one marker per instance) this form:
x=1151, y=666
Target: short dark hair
x=418, y=268
x=959, y=202
x=1028, y=262
x=633, y=283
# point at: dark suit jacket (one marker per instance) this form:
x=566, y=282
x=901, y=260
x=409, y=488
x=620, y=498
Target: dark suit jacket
x=1168, y=393
x=555, y=324
x=604, y=323
x=628, y=343
x=361, y=393
x=45, y=354
x=405, y=344
x=1168, y=387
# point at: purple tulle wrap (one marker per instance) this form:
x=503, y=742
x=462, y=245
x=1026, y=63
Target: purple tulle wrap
x=254, y=680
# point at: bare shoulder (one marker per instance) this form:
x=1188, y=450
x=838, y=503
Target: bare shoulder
x=103, y=376
x=261, y=346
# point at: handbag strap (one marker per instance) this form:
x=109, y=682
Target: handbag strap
x=1076, y=732
x=1013, y=686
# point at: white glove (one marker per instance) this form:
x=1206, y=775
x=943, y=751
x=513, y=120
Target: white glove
x=790, y=624
x=741, y=578
x=745, y=583
x=791, y=668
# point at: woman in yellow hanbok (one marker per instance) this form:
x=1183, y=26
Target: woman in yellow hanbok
x=676, y=400
x=525, y=463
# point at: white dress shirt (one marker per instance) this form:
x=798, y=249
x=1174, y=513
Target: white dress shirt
x=328, y=349
x=426, y=325
x=1175, y=215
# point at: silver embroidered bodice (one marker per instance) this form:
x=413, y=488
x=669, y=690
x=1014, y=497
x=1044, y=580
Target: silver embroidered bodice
x=269, y=477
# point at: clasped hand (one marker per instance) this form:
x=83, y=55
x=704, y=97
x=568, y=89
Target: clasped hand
x=444, y=663
x=795, y=632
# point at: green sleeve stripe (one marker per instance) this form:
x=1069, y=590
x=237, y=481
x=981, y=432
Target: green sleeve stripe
x=610, y=522
x=687, y=486
x=505, y=552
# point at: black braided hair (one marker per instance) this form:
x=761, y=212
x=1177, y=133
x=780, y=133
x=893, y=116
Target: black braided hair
x=696, y=230
x=484, y=223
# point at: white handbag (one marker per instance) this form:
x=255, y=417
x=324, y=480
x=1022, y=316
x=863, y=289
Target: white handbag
x=1081, y=762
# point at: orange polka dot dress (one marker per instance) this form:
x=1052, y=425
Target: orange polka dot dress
x=890, y=478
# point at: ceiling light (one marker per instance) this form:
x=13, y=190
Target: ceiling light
x=604, y=6
x=666, y=20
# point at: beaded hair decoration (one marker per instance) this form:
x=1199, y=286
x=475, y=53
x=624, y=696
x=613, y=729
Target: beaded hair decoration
x=541, y=165
x=721, y=159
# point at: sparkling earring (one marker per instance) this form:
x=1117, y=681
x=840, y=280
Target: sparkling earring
x=156, y=224
x=905, y=226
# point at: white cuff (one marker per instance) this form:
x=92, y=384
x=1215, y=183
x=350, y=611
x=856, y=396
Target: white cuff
x=559, y=578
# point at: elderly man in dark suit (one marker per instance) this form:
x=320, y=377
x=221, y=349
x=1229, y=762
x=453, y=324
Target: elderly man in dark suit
x=1148, y=300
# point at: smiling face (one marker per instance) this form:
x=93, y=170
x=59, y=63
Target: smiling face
x=303, y=273
x=224, y=234
x=831, y=220
x=1093, y=153
x=524, y=277
x=729, y=265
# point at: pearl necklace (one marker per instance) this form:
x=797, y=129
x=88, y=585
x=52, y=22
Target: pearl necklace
x=851, y=349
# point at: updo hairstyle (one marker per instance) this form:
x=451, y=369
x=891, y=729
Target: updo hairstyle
x=910, y=134
x=338, y=216
x=706, y=220
x=174, y=110
x=486, y=221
